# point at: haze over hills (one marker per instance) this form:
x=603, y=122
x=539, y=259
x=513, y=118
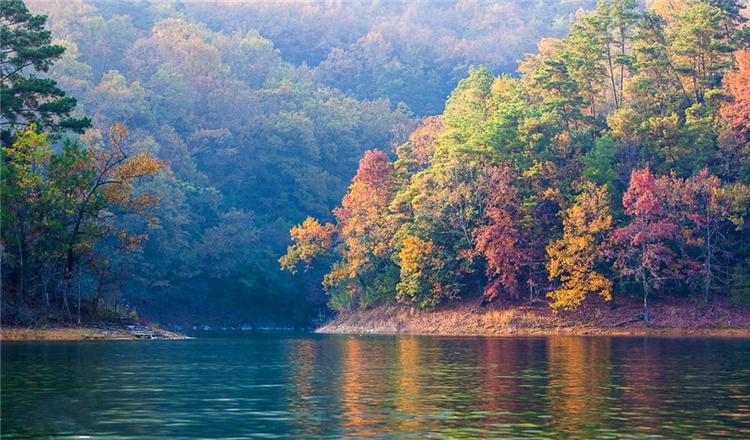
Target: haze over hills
x=263, y=111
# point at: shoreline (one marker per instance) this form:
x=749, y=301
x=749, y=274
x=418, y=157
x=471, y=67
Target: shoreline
x=671, y=317
x=86, y=333
x=668, y=332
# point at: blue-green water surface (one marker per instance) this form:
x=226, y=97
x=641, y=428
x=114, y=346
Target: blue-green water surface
x=307, y=386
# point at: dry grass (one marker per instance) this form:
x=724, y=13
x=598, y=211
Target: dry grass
x=72, y=333
x=54, y=334
x=670, y=316
x=499, y=318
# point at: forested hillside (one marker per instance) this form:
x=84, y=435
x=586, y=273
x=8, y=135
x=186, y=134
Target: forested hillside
x=618, y=163
x=223, y=124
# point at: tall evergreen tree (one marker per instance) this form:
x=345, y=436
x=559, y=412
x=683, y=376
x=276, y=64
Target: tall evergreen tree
x=25, y=46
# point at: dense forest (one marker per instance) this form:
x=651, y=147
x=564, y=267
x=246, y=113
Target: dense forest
x=616, y=164
x=249, y=115
x=613, y=161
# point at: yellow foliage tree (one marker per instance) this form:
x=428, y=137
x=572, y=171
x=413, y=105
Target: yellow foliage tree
x=311, y=239
x=420, y=273
x=573, y=257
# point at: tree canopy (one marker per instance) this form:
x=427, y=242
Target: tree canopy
x=26, y=51
x=605, y=167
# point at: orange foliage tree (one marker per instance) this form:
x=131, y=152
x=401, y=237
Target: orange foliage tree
x=737, y=84
x=364, y=228
x=311, y=240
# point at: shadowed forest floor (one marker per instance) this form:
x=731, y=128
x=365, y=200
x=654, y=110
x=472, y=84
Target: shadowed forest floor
x=668, y=316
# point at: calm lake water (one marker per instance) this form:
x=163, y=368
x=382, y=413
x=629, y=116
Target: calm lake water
x=307, y=386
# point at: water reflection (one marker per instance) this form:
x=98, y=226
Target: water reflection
x=313, y=386
x=356, y=382
x=408, y=392
x=580, y=372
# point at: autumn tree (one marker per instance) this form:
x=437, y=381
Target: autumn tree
x=734, y=137
x=422, y=277
x=58, y=206
x=707, y=211
x=366, y=230
x=311, y=240
x=415, y=154
x=642, y=252
x=574, y=257
x=363, y=272
x=498, y=239
x=737, y=84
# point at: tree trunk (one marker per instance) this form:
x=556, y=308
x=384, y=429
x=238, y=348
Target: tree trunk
x=79, y=294
x=645, y=301
x=708, y=278
x=98, y=297
x=65, y=297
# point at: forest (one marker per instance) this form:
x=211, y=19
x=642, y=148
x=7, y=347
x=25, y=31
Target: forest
x=616, y=164
x=157, y=155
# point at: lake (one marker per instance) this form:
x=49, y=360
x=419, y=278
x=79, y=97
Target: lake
x=306, y=386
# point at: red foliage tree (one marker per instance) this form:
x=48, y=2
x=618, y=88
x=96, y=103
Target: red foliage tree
x=642, y=252
x=498, y=239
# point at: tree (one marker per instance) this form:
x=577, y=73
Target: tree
x=573, y=258
x=498, y=239
x=702, y=46
x=23, y=187
x=311, y=240
x=26, y=98
x=682, y=51
x=549, y=72
x=103, y=43
x=654, y=87
x=734, y=137
x=422, y=279
x=363, y=272
x=366, y=230
x=642, y=252
x=113, y=99
x=599, y=44
x=57, y=207
x=707, y=211
x=415, y=155
x=465, y=117
x=737, y=86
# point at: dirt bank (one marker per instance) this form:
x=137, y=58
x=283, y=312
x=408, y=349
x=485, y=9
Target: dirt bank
x=74, y=333
x=669, y=317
